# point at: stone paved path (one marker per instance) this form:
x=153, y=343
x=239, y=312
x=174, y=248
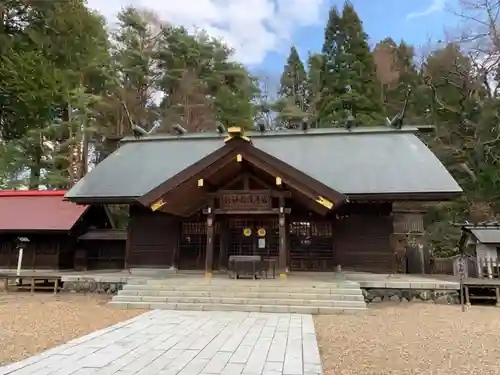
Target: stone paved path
x=187, y=343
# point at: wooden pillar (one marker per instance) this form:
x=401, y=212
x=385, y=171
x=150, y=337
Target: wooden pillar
x=175, y=253
x=223, y=245
x=128, y=243
x=283, y=246
x=209, y=261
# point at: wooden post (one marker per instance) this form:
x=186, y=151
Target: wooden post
x=209, y=261
x=175, y=254
x=56, y=285
x=223, y=245
x=467, y=297
x=282, y=259
x=128, y=242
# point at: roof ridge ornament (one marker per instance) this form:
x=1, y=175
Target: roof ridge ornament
x=179, y=129
x=139, y=131
x=220, y=128
x=397, y=121
x=350, y=121
x=236, y=132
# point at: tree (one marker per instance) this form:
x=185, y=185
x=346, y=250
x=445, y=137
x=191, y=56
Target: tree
x=134, y=50
x=313, y=86
x=201, y=84
x=349, y=76
x=56, y=49
x=292, y=103
x=396, y=72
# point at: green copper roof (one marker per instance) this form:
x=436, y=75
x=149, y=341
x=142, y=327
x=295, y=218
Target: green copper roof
x=357, y=162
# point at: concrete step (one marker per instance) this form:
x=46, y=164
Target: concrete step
x=327, y=310
x=241, y=301
x=346, y=289
x=353, y=295
x=241, y=283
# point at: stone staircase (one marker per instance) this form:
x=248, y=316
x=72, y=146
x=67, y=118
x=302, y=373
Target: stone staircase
x=277, y=296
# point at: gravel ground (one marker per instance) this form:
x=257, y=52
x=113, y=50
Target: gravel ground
x=411, y=339
x=31, y=324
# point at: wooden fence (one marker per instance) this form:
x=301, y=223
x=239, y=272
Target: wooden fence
x=482, y=268
x=443, y=266
x=488, y=268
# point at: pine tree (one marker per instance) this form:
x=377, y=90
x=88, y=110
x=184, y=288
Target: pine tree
x=293, y=91
x=350, y=82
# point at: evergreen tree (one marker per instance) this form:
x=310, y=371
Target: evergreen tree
x=350, y=83
x=313, y=86
x=292, y=103
x=331, y=85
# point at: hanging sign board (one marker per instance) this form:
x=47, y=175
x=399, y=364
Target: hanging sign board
x=262, y=243
x=247, y=232
x=261, y=232
x=245, y=201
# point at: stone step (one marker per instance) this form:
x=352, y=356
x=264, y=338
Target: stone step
x=241, y=301
x=242, y=283
x=354, y=295
x=327, y=310
x=347, y=289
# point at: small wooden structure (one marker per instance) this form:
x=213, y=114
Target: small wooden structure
x=30, y=281
x=50, y=222
x=486, y=285
x=482, y=241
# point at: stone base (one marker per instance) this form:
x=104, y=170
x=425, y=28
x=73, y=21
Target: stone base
x=92, y=286
x=411, y=295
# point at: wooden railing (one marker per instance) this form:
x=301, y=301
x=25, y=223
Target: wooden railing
x=488, y=268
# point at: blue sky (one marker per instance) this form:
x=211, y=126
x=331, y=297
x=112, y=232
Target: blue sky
x=399, y=19
x=262, y=31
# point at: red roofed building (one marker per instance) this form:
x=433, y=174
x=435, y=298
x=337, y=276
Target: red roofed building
x=50, y=222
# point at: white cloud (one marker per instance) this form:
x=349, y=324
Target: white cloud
x=252, y=27
x=434, y=7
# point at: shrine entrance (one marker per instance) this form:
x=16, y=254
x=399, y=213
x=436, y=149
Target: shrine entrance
x=253, y=236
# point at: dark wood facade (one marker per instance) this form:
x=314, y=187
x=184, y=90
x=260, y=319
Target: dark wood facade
x=51, y=249
x=357, y=236
x=242, y=199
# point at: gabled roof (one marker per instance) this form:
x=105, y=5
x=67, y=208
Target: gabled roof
x=28, y=210
x=360, y=162
x=484, y=233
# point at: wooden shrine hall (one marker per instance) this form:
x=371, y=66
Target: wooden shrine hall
x=303, y=200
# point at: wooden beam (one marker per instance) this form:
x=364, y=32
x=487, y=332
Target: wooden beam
x=260, y=181
x=272, y=193
x=282, y=169
x=204, y=165
x=273, y=211
x=296, y=185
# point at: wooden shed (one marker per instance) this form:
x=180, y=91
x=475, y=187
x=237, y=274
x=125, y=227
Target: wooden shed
x=50, y=222
x=482, y=241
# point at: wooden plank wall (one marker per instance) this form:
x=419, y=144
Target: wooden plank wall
x=363, y=243
x=153, y=238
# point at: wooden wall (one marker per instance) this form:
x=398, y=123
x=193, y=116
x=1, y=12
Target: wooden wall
x=44, y=251
x=360, y=241
x=153, y=238
x=363, y=243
